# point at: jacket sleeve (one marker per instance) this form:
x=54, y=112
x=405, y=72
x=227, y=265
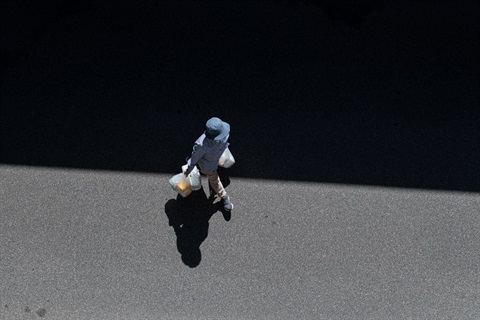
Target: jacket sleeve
x=197, y=154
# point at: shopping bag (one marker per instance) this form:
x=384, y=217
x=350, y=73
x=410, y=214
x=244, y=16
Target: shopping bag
x=185, y=185
x=194, y=177
x=181, y=184
x=226, y=160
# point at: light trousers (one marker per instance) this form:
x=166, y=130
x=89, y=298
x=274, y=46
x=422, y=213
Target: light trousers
x=215, y=182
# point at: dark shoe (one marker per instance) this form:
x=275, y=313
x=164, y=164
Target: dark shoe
x=227, y=204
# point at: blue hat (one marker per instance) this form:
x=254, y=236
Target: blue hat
x=216, y=129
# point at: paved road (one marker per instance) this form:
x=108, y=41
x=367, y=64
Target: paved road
x=82, y=244
x=327, y=104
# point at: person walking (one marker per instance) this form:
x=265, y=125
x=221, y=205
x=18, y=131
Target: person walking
x=207, y=150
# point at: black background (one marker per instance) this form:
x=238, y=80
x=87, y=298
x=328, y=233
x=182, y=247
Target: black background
x=355, y=92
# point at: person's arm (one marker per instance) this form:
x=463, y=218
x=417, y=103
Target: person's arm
x=197, y=154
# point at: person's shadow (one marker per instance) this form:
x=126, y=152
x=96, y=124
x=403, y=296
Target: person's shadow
x=189, y=219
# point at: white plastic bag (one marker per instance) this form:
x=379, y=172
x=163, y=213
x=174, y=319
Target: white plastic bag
x=194, y=177
x=226, y=160
x=185, y=185
x=181, y=184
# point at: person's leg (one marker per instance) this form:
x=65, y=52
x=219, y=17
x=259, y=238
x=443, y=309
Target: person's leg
x=215, y=183
x=217, y=186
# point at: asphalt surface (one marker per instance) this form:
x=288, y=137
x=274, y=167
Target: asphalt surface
x=102, y=245
x=355, y=130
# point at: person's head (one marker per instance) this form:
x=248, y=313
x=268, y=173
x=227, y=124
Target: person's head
x=216, y=129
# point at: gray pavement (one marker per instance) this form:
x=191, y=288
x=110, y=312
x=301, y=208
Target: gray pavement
x=389, y=98
x=80, y=244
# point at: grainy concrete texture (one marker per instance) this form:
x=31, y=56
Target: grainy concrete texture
x=100, y=245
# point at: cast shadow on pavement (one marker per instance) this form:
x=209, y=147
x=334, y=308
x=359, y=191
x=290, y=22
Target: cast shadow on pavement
x=189, y=217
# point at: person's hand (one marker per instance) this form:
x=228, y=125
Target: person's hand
x=186, y=172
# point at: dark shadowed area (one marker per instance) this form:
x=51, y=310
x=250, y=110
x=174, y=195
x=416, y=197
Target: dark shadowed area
x=354, y=92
